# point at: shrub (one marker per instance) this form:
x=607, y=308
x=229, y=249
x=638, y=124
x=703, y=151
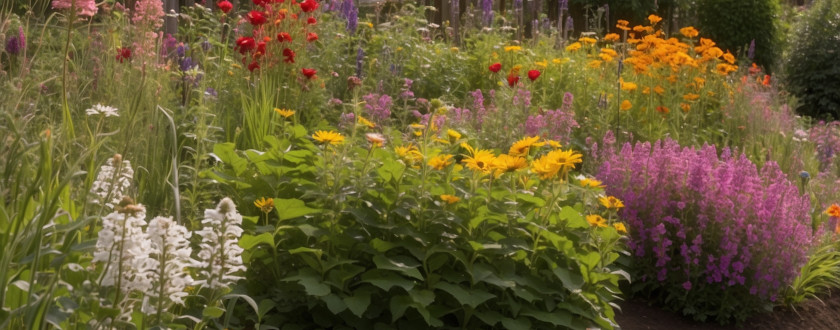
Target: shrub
x=812, y=72
x=366, y=236
x=711, y=236
x=734, y=24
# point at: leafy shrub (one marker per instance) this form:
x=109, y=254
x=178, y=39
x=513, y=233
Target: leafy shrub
x=365, y=236
x=711, y=236
x=812, y=72
x=734, y=24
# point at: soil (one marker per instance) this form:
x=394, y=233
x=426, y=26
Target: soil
x=810, y=315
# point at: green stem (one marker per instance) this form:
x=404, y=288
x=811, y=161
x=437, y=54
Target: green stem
x=67, y=117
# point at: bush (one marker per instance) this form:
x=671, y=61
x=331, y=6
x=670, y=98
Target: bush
x=364, y=236
x=812, y=71
x=734, y=24
x=711, y=236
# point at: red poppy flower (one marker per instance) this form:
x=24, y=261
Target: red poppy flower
x=123, y=53
x=256, y=17
x=495, y=67
x=225, y=6
x=253, y=66
x=289, y=55
x=311, y=36
x=533, y=74
x=261, y=3
x=284, y=36
x=245, y=44
x=309, y=73
x=766, y=81
x=309, y=6
x=311, y=20
x=260, y=48
x=512, y=80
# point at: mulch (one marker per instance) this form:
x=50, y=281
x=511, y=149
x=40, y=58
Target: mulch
x=813, y=314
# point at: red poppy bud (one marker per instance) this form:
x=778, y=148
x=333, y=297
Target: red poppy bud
x=533, y=75
x=225, y=6
x=311, y=36
x=311, y=20
x=256, y=17
x=495, y=67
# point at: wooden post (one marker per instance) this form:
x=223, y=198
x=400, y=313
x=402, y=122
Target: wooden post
x=170, y=24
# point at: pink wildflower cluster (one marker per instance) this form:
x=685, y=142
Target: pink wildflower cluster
x=83, y=7
x=705, y=225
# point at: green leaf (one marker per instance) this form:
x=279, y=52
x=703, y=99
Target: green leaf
x=292, y=208
x=422, y=297
x=489, y=317
x=573, y=218
x=386, y=280
x=334, y=303
x=591, y=259
x=213, y=312
x=531, y=199
x=311, y=282
x=381, y=246
x=249, y=241
x=571, y=281
x=558, y=318
x=403, y=264
x=226, y=152
x=516, y=324
x=398, y=306
x=358, y=303
x=472, y=297
x=265, y=306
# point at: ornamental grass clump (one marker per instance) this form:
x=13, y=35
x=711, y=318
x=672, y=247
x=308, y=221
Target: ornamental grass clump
x=712, y=236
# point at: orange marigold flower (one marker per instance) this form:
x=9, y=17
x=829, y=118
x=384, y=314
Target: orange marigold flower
x=626, y=105
x=654, y=19
x=612, y=37
x=689, y=31
x=691, y=97
x=833, y=211
x=573, y=47
x=449, y=199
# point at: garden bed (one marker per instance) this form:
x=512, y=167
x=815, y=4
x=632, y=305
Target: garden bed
x=813, y=314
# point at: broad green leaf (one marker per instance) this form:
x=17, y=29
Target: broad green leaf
x=381, y=246
x=558, y=318
x=485, y=273
x=386, y=280
x=531, y=199
x=591, y=259
x=213, y=312
x=303, y=249
x=226, y=152
x=297, y=156
x=403, y=264
x=516, y=324
x=571, y=281
x=398, y=306
x=422, y=297
x=489, y=317
x=334, y=303
x=573, y=218
x=311, y=281
x=292, y=208
x=247, y=241
x=265, y=306
x=358, y=303
x=472, y=297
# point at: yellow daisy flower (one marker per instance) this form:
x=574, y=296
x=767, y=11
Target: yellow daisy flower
x=331, y=137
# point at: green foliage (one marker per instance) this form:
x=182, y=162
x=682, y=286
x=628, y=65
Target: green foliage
x=734, y=24
x=819, y=275
x=812, y=72
x=362, y=237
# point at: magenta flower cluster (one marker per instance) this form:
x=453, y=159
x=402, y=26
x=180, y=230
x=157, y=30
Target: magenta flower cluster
x=378, y=107
x=699, y=221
